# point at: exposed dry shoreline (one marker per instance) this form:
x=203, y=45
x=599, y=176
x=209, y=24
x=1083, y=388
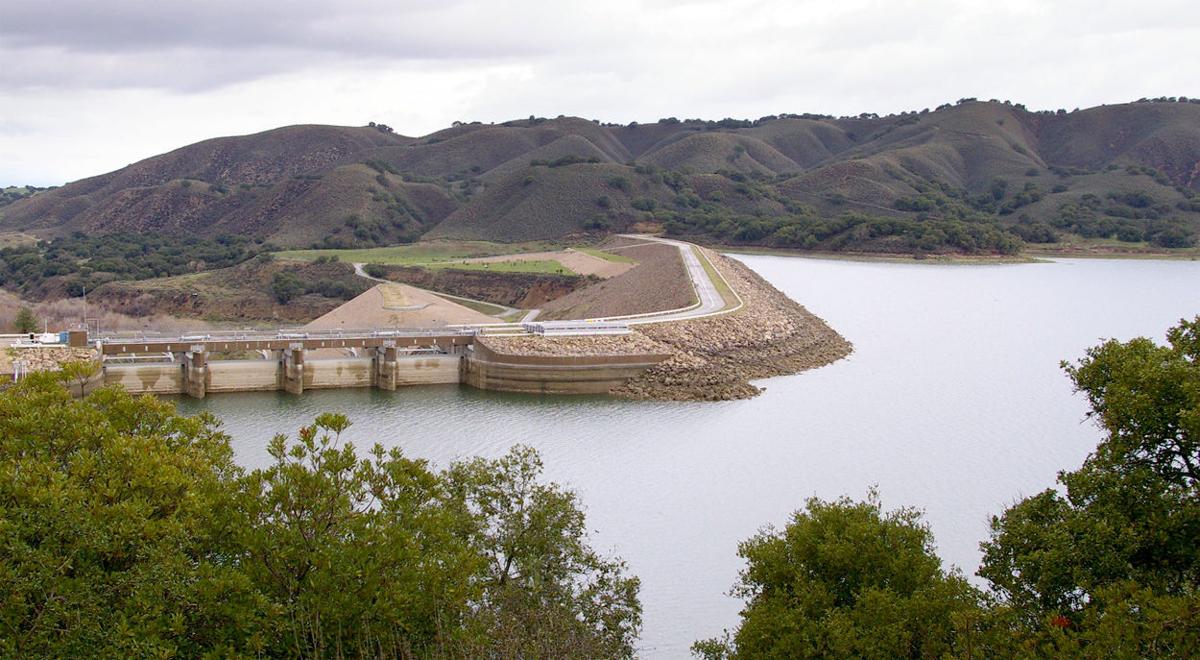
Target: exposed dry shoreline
x=717, y=357
x=713, y=358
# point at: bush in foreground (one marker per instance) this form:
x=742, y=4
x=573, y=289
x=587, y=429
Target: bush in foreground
x=128, y=530
x=846, y=579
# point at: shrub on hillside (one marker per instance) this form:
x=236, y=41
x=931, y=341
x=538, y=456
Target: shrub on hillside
x=618, y=183
x=285, y=286
x=87, y=260
x=644, y=204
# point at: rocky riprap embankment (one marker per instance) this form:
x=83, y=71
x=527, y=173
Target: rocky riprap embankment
x=42, y=359
x=716, y=357
x=713, y=358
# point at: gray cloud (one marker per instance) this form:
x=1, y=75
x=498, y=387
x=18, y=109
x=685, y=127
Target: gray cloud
x=114, y=81
x=357, y=26
x=194, y=45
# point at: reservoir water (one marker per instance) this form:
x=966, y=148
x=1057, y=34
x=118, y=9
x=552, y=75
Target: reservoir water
x=953, y=402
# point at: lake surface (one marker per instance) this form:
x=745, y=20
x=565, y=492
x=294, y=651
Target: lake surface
x=953, y=401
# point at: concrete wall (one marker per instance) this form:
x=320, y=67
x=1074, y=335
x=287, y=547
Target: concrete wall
x=242, y=375
x=332, y=373
x=337, y=372
x=156, y=378
x=483, y=369
x=578, y=374
x=429, y=370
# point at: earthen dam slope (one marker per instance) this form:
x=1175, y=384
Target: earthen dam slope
x=724, y=327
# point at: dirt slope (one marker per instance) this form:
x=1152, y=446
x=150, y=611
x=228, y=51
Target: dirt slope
x=397, y=305
x=658, y=282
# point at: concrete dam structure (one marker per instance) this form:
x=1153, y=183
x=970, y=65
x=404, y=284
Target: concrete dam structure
x=198, y=366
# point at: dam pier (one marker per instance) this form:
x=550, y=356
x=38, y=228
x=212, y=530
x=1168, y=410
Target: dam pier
x=199, y=365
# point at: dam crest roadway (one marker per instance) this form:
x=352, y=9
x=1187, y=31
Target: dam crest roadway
x=390, y=358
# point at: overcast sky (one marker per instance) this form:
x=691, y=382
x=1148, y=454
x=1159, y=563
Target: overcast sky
x=89, y=86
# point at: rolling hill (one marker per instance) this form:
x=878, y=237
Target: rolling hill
x=969, y=177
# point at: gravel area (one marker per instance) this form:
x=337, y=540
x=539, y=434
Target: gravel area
x=397, y=305
x=630, y=344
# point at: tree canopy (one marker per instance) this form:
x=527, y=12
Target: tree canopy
x=26, y=321
x=846, y=579
x=128, y=530
x=1113, y=557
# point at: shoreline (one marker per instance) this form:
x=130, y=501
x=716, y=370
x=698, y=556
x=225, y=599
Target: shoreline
x=1028, y=256
x=715, y=358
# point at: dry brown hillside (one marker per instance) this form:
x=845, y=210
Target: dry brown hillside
x=973, y=176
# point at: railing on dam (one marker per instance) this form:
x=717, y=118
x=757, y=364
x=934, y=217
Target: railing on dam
x=446, y=337
x=219, y=342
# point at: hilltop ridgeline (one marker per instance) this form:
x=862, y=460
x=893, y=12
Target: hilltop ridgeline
x=974, y=177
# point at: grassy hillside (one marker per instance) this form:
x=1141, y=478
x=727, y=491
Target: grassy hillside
x=973, y=177
x=145, y=193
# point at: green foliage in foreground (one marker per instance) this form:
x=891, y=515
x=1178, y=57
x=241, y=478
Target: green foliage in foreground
x=1115, y=562
x=1111, y=568
x=844, y=579
x=127, y=530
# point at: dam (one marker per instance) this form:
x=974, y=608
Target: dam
x=198, y=365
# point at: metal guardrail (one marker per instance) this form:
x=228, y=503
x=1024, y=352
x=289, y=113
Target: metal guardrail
x=282, y=334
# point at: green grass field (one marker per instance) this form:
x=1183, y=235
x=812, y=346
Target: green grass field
x=537, y=266
x=420, y=254
x=607, y=256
